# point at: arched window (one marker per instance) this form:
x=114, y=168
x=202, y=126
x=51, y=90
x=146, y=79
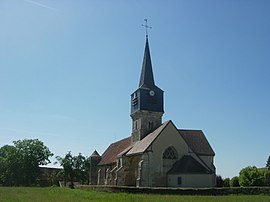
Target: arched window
x=170, y=153
x=170, y=156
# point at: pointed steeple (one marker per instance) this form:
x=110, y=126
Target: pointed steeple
x=147, y=78
x=147, y=101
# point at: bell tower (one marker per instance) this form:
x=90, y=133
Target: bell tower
x=147, y=101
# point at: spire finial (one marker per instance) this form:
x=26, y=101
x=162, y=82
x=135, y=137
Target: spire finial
x=146, y=27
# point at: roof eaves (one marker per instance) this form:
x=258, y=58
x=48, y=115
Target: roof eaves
x=137, y=144
x=166, y=124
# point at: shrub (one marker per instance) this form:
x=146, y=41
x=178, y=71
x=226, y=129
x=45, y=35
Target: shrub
x=226, y=182
x=219, y=181
x=234, y=182
x=267, y=177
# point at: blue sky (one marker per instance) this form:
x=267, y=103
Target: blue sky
x=67, y=69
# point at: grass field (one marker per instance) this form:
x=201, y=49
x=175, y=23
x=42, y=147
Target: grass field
x=23, y=194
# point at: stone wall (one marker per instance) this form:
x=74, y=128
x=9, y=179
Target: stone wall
x=182, y=191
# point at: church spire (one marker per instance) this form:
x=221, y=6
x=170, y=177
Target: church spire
x=147, y=77
x=147, y=100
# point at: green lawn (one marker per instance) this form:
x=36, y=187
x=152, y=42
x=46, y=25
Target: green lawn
x=21, y=194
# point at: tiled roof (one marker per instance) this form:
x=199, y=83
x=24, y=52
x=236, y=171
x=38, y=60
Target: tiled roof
x=197, y=141
x=187, y=164
x=141, y=146
x=110, y=155
x=125, y=151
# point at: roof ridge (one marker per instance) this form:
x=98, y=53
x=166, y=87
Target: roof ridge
x=120, y=140
x=189, y=129
x=144, y=144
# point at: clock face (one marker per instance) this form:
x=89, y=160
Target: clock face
x=152, y=93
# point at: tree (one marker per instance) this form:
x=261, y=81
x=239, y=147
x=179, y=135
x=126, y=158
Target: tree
x=268, y=163
x=234, y=182
x=252, y=176
x=67, y=163
x=267, y=177
x=81, y=168
x=20, y=163
x=76, y=168
x=219, y=181
x=8, y=171
x=54, y=178
x=226, y=182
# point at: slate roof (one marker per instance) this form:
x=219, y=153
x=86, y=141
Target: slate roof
x=147, y=78
x=141, y=146
x=187, y=164
x=94, y=154
x=197, y=141
x=110, y=155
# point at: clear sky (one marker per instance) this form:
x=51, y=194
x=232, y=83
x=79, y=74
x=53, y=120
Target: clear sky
x=67, y=69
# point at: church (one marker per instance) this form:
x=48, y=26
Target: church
x=156, y=154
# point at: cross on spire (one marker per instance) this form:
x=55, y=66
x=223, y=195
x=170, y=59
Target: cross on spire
x=146, y=27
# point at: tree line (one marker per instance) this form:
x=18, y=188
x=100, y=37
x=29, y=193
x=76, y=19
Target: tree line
x=250, y=176
x=20, y=166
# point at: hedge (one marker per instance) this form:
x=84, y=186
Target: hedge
x=181, y=191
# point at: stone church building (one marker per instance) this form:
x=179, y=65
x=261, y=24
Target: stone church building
x=156, y=154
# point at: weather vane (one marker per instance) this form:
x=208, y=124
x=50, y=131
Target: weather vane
x=146, y=27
